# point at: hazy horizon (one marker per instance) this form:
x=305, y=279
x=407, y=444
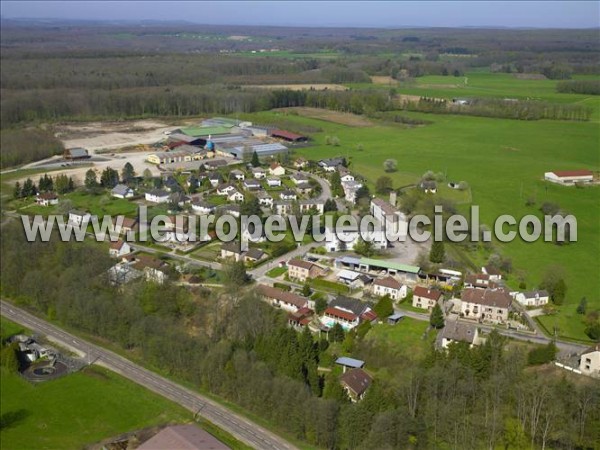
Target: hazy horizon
x=457, y=14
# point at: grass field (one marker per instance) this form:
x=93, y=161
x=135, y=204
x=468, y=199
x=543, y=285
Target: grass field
x=406, y=335
x=82, y=408
x=503, y=161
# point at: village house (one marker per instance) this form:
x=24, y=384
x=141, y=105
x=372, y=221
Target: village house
x=428, y=186
x=235, y=196
x=300, y=319
x=389, y=286
x=350, y=190
x=214, y=164
x=273, y=182
x=279, y=298
x=300, y=163
x=46, y=199
x=386, y=213
x=254, y=255
x=569, y=177
x=288, y=195
x=237, y=175
x=231, y=250
x=348, y=312
x=215, y=179
x=119, y=248
x=488, y=305
x=299, y=178
x=355, y=280
x=309, y=205
x=356, y=382
x=232, y=210
x=479, y=280
x=456, y=331
x=425, y=298
x=77, y=217
x=251, y=184
x=225, y=189
x=157, y=196
x=282, y=207
x=345, y=175
x=259, y=173
x=492, y=272
x=127, y=225
x=345, y=319
x=533, y=298
x=276, y=169
x=343, y=240
x=331, y=164
x=122, y=191
x=202, y=207
x=301, y=270
x=153, y=269
x=589, y=363
x=264, y=199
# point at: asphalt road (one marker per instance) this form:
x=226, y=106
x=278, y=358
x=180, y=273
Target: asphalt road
x=241, y=428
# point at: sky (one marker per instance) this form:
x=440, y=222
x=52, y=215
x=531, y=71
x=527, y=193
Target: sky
x=535, y=14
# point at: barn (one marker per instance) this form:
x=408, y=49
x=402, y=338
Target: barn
x=288, y=136
x=76, y=153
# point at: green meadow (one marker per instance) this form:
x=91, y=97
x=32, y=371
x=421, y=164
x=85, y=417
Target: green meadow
x=504, y=163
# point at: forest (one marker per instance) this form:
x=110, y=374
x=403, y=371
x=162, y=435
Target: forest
x=233, y=345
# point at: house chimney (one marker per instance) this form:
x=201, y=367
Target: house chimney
x=393, y=198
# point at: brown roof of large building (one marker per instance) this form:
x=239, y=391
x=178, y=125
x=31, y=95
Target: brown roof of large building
x=288, y=135
x=357, y=380
x=183, y=437
x=300, y=263
x=458, y=331
x=572, y=173
x=431, y=294
x=388, y=282
x=385, y=206
x=341, y=314
x=281, y=295
x=117, y=245
x=497, y=298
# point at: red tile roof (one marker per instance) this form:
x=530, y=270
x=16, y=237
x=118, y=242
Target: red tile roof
x=300, y=263
x=497, y=298
x=572, y=173
x=335, y=312
x=287, y=135
x=282, y=296
x=388, y=282
x=357, y=380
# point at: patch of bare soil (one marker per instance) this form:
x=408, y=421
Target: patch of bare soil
x=300, y=87
x=351, y=120
x=387, y=80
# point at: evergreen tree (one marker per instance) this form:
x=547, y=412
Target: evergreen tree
x=91, y=180
x=306, y=291
x=330, y=205
x=383, y=185
x=437, y=252
x=255, y=161
x=436, y=319
x=336, y=185
x=384, y=307
x=336, y=334
x=71, y=185
x=45, y=184
x=560, y=291
x=17, y=191
x=29, y=188
x=320, y=305
x=109, y=178
x=582, y=307
x=127, y=174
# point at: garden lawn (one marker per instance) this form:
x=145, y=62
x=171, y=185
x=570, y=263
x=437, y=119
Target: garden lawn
x=406, y=335
x=78, y=409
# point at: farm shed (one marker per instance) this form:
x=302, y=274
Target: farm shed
x=288, y=136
